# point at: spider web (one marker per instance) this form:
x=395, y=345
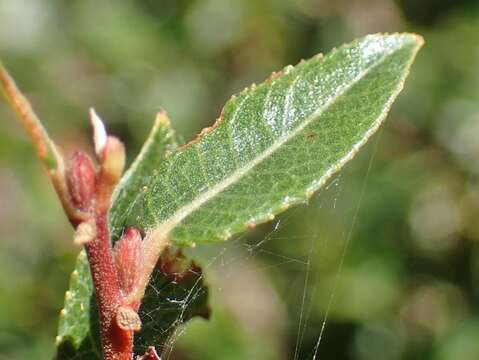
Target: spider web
x=260, y=248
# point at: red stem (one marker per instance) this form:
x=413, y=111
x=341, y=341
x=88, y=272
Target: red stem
x=117, y=343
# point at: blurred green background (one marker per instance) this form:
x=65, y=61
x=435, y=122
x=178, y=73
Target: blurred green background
x=388, y=254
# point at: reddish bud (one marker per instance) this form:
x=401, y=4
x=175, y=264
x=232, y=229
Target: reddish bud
x=127, y=253
x=80, y=178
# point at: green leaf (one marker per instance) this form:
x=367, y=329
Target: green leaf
x=274, y=144
x=170, y=299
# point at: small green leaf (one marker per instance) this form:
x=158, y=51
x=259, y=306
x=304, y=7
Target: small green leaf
x=274, y=144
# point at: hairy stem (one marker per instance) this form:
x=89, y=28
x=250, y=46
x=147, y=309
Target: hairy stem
x=117, y=343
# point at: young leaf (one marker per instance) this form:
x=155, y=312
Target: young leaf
x=160, y=143
x=273, y=146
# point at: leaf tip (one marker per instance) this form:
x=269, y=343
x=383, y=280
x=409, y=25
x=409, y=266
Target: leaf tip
x=406, y=37
x=162, y=118
x=418, y=38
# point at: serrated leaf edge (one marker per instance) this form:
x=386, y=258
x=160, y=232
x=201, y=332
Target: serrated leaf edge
x=164, y=229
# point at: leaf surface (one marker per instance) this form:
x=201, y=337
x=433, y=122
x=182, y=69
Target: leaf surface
x=274, y=144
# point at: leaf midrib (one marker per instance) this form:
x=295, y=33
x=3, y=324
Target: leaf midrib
x=168, y=225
